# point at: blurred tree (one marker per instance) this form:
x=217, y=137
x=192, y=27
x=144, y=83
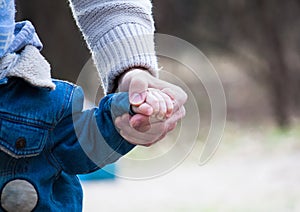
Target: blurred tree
x=63, y=44
x=263, y=33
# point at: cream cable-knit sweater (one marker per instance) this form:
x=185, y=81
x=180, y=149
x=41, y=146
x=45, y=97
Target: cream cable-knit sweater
x=120, y=35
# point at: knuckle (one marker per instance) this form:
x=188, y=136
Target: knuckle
x=156, y=102
x=162, y=104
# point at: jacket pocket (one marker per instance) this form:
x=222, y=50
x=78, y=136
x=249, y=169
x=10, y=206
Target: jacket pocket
x=21, y=140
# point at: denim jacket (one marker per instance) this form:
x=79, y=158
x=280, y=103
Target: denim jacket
x=46, y=139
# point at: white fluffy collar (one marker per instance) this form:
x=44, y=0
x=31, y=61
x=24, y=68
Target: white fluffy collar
x=29, y=65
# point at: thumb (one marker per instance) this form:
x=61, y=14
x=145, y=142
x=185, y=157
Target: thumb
x=140, y=123
x=137, y=91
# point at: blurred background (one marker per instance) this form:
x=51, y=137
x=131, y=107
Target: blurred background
x=255, y=48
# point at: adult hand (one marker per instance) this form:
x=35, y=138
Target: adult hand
x=137, y=81
x=139, y=129
x=148, y=131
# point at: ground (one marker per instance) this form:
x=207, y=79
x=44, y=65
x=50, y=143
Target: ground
x=253, y=170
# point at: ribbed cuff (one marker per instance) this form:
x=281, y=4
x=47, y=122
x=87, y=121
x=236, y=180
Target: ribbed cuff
x=122, y=48
x=6, y=38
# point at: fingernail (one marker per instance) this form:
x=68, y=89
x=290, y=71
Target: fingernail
x=149, y=111
x=169, y=113
x=136, y=98
x=160, y=117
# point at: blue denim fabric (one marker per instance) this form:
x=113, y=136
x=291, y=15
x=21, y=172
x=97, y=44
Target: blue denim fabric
x=24, y=34
x=14, y=36
x=46, y=139
x=7, y=24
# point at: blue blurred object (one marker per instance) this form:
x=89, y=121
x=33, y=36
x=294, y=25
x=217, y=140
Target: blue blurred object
x=106, y=173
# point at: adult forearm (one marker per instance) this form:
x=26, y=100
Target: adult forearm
x=119, y=35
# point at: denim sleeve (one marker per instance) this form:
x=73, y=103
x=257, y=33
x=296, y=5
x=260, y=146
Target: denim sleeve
x=85, y=141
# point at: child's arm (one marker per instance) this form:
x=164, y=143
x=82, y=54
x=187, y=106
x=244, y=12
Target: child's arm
x=87, y=140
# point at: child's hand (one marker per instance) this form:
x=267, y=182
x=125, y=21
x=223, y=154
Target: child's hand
x=157, y=104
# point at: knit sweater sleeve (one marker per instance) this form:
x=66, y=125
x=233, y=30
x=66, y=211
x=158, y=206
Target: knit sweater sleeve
x=120, y=35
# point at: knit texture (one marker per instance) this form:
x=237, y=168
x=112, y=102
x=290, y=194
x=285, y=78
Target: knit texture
x=7, y=24
x=120, y=35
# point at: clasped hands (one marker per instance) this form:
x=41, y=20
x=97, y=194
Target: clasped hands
x=158, y=106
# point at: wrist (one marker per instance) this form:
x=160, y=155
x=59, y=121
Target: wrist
x=125, y=78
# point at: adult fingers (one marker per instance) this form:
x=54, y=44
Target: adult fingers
x=140, y=122
x=136, y=141
x=143, y=123
x=156, y=132
x=140, y=138
x=144, y=109
x=137, y=90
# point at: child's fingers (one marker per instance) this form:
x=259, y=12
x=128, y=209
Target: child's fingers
x=153, y=101
x=169, y=104
x=162, y=105
x=144, y=109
